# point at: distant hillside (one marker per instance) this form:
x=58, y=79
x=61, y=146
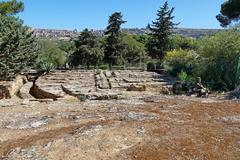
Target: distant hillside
x=68, y=34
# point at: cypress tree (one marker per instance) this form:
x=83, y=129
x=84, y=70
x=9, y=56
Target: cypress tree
x=161, y=30
x=114, y=48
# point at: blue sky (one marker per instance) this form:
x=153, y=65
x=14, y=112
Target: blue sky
x=93, y=14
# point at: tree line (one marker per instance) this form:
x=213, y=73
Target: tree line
x=119, y=48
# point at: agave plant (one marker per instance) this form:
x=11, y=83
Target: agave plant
x=46, y=66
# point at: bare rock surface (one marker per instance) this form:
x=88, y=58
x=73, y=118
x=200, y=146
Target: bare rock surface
x=115, y=123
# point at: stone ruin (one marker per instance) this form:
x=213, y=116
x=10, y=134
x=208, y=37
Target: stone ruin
x=91, y=84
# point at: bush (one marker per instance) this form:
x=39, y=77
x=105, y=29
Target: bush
x=177, y=61
x=181, y=42
x=18, y=48
x=103, y=67
x=219, y=65
x=182, y=76
x=185, y=78
x=151, y=66
x=159, y=65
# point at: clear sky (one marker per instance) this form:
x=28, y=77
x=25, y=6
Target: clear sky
x=93, y=14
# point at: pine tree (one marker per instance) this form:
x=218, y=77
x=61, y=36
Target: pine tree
x=18, y=48
x=230, y=13
x=161, y=30
x=114, y=47
x=11, y=7
x=88, y=51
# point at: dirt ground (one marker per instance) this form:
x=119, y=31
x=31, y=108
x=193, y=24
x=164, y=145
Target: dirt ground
x=141, y=126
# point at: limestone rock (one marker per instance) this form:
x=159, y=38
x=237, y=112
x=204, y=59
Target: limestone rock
x=133, y=87
x=39, y=93
x=9, y=88
x=102, y=81
x=24, y=92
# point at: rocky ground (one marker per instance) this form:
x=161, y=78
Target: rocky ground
x=115, y=115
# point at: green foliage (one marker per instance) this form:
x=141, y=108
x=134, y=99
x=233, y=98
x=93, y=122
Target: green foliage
x=181, y=60
x=183, y=76
x=66, y=46
x=161, y=29
x=134, y=50
x=18, y=48
x=51, y=54
x=180, y=42
x=103, y=67
x=230, y=11
x=11, y=7
x=187, y=79
x=45, y=66
x=114, y=47
x=219, y=63
x=143, y=39
x=88, y=51
x=151, y=66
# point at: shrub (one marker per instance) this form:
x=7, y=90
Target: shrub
x=182, y=76
x=151, y=66
x=159, y=65
x=181, y=42
x=180, y=60
x=185, y=78
x=103, y=67
x=219, y=65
